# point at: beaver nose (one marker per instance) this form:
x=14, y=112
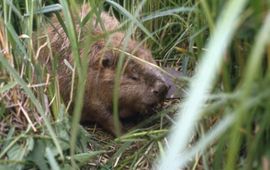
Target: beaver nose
x=160, y=89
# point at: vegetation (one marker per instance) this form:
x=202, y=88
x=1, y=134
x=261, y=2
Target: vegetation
x=221, y=123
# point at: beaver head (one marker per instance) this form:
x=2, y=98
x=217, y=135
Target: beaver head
x=142, y=86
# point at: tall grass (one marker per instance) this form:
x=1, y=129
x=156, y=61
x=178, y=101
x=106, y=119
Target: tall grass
x=17, y=46
x=201, y=86
x=222, y=122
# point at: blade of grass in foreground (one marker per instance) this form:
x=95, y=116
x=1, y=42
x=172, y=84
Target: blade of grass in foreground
x=220, y=128
x=253, y=68
x=201, y=86
x=120, y=63
x=81, y=66
x=32, y=97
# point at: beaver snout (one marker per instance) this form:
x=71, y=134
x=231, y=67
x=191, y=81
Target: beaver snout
x=160, y=89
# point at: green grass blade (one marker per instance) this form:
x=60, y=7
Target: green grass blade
x=209, y=18
x=201, y=85
x=53, y=163
x=14, y=9
x=208, y=139
x=47, y=9
x=252, y=70
x=7, y=87
x=118, y=71
x=14, y=36
x=71, y=33
x=82, y=73
x=163, y=13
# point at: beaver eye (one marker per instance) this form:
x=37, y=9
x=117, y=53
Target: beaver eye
x=134, y=77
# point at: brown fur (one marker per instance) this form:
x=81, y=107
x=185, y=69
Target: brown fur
x=141, y=86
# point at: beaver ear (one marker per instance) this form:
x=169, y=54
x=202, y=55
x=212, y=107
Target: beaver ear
x=107, y=60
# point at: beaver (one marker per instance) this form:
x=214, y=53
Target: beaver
x=142, y=86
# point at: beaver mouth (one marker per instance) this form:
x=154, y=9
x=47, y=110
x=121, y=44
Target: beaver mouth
x=150, y=108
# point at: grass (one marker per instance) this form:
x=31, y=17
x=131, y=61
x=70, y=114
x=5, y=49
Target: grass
x=222, y=122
